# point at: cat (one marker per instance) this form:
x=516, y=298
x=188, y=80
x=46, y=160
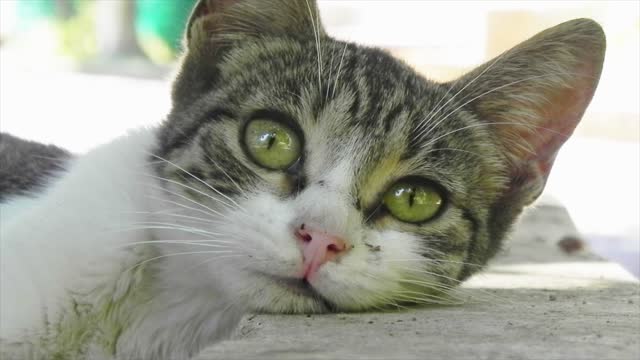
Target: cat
x=295, y=173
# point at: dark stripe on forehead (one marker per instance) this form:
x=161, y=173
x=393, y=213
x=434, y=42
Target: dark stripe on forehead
x=371, y=115
x=354, y=109
x=391, y=116
x=438, y=151
x=384, y=80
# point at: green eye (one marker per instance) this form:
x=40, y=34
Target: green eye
x=272, y=144
x=411, y=202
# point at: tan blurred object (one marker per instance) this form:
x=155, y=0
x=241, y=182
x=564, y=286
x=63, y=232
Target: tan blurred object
x=506, y=29
x=419, y=60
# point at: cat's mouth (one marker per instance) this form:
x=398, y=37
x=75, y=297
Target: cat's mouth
x=301, y=287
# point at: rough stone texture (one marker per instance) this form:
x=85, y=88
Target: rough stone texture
x=534, y=302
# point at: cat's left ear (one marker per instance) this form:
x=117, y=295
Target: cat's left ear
x=220, y=21
x=533, y=96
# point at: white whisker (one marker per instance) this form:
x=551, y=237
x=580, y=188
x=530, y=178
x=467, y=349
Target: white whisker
x=212, y=211
x=488, y=92
x=181, y=205
x=200, y=180
x=180, y=242
x=189, y=188
x=432, y=113
x=418, y=260
x=335, y=83
x=177, y=254
x=188, y=218
x=242, y=191
x=316, y=34
x=492, y=123
x=160, y=227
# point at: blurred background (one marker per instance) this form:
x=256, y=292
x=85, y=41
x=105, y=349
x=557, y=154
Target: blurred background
x=78, y=73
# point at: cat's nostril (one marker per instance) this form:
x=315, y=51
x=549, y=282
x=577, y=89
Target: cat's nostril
x=303, y=235
x=318, y=247
x=334, y=248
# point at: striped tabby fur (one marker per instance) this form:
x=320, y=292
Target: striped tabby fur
x=370, y=115
x=153, y=246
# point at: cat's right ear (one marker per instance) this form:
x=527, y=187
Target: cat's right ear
x=221, y=22
x=533, y=96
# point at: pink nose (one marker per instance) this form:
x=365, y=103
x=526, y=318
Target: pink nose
x=318, y=247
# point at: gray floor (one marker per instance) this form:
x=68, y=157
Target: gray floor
x=534, y=302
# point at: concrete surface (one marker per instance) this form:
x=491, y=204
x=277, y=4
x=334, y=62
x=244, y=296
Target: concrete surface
x=535, y=301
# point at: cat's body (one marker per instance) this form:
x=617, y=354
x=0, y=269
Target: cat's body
x=19, y=178
x=69, y=275
x=295, y=173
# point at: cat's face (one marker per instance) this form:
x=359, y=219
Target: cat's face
x=326, y=176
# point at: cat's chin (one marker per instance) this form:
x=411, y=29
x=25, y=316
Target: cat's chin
x=290, y=295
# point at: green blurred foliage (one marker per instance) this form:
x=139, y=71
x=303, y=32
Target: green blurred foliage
x=159, y=27
x=77, y=33
x=158, y=24
x=30, y=11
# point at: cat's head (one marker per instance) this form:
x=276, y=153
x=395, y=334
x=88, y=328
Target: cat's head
x=323, y=175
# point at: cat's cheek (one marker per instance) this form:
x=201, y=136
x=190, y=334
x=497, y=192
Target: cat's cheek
x=267, y=250
x=265, y=234
x=372, y=273
x=400, y=247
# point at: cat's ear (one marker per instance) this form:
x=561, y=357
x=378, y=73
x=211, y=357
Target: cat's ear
x=533, y=96
x=220, y=21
